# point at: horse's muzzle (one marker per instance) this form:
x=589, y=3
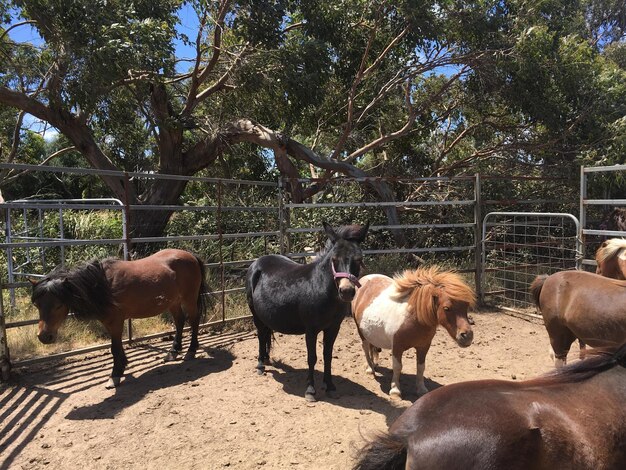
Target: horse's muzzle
x=46, y=337
x=465, y=338
x=346, y=289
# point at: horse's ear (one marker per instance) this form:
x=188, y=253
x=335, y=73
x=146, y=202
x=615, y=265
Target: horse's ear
x=33, y=282
x=362, y=233
x=330, y=232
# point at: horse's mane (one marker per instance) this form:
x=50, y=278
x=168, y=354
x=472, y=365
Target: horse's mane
x=84, y=288
x=349, y=233
x=419, y=286
x=600, y=360
x=609, y=249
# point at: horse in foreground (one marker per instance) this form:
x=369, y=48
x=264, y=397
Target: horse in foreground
x=113, y=290
x=580, y=305
x=304, y=299
x=611, y=259
x=574, y=418
x=404, y=312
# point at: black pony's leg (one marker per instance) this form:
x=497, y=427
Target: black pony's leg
x=330, y=335
x=177, y=344
x=119, y=359
x=311, y=346
x=264, y=335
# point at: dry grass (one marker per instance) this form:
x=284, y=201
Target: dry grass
x=76, y=334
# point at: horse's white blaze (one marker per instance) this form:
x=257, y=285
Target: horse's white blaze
x=382, y=319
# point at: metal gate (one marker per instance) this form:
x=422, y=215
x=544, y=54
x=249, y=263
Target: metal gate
x=518, y=246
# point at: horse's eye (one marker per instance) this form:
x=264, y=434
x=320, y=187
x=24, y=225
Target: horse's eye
x=447, y=309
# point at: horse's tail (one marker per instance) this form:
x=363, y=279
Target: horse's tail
x=384, y=452
x=252, y=278
x=536, y=286
x=205, y=300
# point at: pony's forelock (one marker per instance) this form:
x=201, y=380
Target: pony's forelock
x=609, y=249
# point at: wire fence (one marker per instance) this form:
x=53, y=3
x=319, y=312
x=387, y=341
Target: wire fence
x=519, y=246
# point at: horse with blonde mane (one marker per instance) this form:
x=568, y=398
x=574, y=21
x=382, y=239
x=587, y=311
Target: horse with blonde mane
x=611, y=258
x=404, y=312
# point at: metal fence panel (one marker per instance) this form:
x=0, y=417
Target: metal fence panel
x=518, y=246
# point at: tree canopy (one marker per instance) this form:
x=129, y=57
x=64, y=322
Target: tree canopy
x=406, y=87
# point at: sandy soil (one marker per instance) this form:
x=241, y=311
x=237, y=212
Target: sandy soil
x=215, y=412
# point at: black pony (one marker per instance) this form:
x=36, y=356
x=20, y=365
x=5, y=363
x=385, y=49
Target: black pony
x=297, y=299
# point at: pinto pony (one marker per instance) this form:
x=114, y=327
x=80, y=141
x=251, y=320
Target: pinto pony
x=574, y=418
x=611, y=258
x=580, y=305
x=113, y=291
x=404, y=312
x=305, y=299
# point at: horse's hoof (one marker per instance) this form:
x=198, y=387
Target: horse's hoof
x=113, y=382
x=369, y=370
x=171, y=356
x=422, y=391
x=394, y=392
x=260, y=371
x=189, y=356
x=310, y=397
x=267, y=362
x=332, y=394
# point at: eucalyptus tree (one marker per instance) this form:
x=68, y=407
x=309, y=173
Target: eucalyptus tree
x=324, y=87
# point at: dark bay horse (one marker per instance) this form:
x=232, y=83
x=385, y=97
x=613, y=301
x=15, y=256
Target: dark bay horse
x=404, y=312
x=574, y=418
x=112, y=290
x=581, y=305
x=304, y=299
x=611, y=258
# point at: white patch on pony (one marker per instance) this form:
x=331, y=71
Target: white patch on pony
x=382, y=319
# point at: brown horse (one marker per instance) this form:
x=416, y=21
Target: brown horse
x=611, y=258
x=578, y=304
x=404, y=312
x=574, y=418
x=113, y=290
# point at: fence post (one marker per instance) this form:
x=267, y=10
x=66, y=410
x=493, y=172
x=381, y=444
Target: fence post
x=283, y=218
x=478, y=242
x=5, y=358
x=221, y=243
x=582, y=218
x=125, y=226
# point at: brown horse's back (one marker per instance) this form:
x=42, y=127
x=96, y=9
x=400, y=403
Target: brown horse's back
x=590, y=306
x=519, y=425
x=168, y=280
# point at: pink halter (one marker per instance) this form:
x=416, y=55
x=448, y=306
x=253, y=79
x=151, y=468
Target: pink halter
x=351, y=277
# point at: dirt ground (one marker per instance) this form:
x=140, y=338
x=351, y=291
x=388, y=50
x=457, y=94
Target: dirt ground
x=216, y=412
